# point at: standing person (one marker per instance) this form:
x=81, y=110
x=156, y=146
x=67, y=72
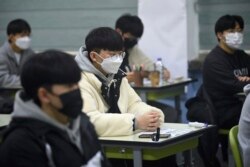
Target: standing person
x=14, y=52
x=111, y=103
x=48, y=128
x=226, y=71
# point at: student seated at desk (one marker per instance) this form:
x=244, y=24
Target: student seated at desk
x=130, y=27
x=226, y=71
x=14, y=52
x=111, y=103
x=48, y=128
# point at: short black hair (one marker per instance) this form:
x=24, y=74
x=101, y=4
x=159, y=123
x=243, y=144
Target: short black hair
x=103, y=38
x=130, y=24
x=239, y=20
x=227, y=22
x=46, y=69
x=18, y=26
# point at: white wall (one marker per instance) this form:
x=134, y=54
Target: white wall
x=166, y=33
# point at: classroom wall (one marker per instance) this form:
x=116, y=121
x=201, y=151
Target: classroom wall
x=62, y=24
x=210, y=10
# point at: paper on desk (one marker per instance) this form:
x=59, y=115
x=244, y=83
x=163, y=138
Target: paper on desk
x=173, y=132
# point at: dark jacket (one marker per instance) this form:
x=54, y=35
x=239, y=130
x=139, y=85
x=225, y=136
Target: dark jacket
x=35, y=139
x=220, y=73
x=9, y=68
x=27, y=142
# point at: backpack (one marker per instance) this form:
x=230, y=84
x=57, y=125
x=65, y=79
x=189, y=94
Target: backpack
x=200, y=108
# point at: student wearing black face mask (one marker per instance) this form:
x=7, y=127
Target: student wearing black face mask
x=129, y=43
x=131, y=29
x=48, y=128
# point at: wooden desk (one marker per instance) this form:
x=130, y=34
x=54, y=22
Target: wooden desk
x=138, y=149
x=173, y=89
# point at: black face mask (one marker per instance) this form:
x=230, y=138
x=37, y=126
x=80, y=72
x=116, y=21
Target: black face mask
x=72, y=103
x=129, y=43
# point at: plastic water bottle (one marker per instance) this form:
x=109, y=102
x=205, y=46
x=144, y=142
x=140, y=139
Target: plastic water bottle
x=159, y=67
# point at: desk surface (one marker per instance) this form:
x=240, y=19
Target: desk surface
x=4, y=119
x=133, y=140
x=175, y=83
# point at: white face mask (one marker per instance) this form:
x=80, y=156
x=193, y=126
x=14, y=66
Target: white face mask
x=112, y=64
x=234, y=39
x=23, y=42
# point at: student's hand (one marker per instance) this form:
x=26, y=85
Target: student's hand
x=244, y=78
x=130, y=76
x=148, y=121
x=166, y=74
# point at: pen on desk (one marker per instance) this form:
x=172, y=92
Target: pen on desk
x=158, y=131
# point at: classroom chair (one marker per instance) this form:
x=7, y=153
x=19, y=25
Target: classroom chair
x=234, y=144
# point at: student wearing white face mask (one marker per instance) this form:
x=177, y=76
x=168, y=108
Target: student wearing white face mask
x=111, y=103
x=113, y=106
x=226, y=71
x=14, y=52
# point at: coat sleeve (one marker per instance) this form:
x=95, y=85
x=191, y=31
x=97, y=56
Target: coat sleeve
x=219, y=75
x=135, y=104
x=136, y=55
x=113, y=124
x=7, y=79
x=244, y=131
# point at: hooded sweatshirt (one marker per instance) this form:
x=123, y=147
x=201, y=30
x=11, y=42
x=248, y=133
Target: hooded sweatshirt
x=244, y=128
x=35, y=139
x=28, y=109
x=86, y=65
x=95, y=106
x=10, y=66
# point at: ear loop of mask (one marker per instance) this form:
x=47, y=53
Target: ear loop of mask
x=98, y=56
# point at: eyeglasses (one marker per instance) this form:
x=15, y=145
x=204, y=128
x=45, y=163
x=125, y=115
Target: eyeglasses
x=120, y=55
x=114, y=57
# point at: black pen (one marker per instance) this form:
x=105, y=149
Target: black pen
x=158, y=132
x=156, y=136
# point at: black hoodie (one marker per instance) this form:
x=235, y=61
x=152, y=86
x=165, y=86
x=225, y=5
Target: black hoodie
x=29, y=142
x=220, y=71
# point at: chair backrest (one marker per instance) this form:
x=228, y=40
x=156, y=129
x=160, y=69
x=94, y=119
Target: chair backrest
x=234, y=144
x=200, y=108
